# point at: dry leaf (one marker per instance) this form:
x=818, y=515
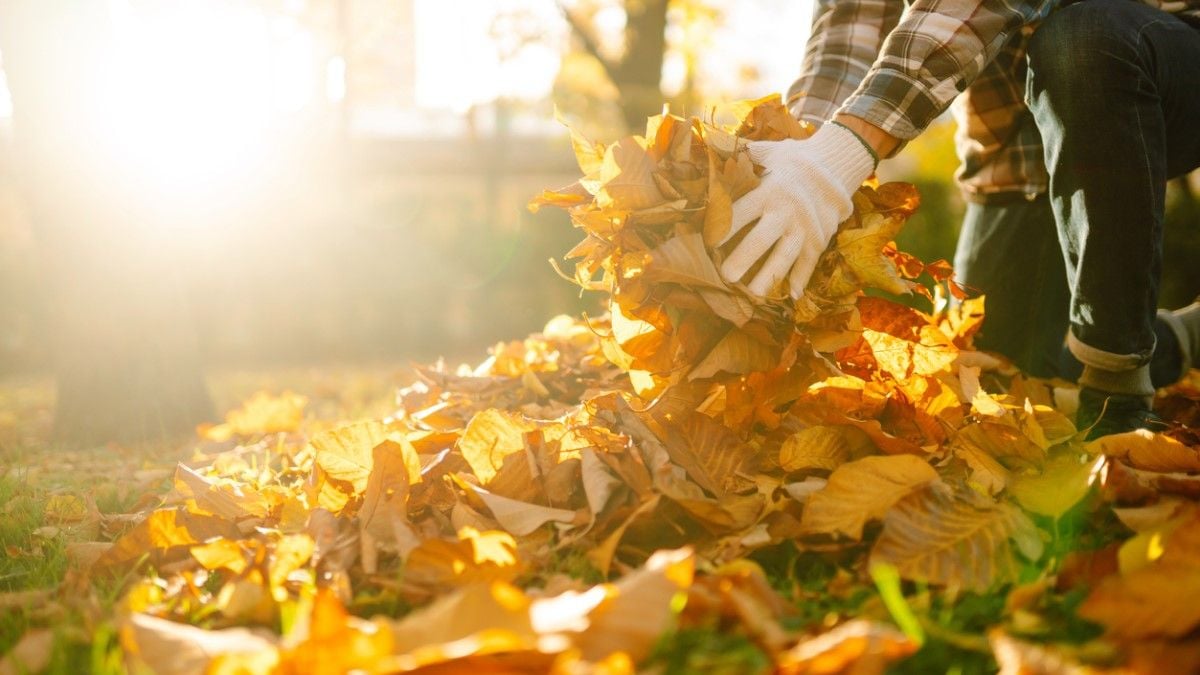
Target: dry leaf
x=853, y=648
x=957, y=539
x=863, y=490
x=170, y=648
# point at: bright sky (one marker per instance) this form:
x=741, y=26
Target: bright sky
x=457, y=62
x=457, y=58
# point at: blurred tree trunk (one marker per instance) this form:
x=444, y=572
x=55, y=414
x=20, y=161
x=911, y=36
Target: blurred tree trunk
x=637, y=75
x=125, y=350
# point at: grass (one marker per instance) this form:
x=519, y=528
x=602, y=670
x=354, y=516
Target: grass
x=34, y=550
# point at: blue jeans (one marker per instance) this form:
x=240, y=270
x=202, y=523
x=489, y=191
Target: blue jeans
x=1010, y=252
x=1114, y=88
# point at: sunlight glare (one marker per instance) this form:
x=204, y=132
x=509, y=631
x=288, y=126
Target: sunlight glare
x=188, y=101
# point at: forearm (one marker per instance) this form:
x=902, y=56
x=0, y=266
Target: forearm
x=880, y=141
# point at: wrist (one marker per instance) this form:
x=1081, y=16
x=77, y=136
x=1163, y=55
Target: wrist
x=881, y=143
x=843, y=158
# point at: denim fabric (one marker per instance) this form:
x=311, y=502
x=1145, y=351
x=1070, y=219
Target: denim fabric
x=1114, y=87
x=1010, y=252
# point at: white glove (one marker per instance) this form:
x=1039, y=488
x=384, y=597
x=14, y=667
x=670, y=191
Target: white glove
x=804, y=195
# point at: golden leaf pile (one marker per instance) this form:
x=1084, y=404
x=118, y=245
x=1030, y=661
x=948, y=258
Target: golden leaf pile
x=584, y=491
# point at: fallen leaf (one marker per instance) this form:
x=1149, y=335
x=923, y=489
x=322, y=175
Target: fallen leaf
x=863, y=490
x=958, y=539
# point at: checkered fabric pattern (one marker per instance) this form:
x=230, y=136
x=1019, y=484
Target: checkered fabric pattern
x=900, y=67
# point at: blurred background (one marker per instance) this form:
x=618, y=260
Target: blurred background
x=190, y=187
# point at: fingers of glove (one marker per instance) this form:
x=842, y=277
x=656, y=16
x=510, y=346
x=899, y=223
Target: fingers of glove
x=802, y=271
x=782, y=258
x=746, y=209
x=757, y=242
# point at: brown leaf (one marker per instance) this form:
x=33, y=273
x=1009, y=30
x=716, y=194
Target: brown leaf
x=31, y=654
x=634, y=612
x=1155, y=601
x=957, y=539
x=736, y=353
x=522, y=518
x=817, y=447
x=479, y=619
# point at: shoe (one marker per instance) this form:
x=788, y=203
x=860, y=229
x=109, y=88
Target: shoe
x=1101, y=413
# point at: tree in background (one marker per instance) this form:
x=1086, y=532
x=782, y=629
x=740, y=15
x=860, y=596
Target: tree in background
x=633, y=71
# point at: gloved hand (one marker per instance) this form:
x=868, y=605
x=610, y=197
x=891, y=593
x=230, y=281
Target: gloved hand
x=804, y=195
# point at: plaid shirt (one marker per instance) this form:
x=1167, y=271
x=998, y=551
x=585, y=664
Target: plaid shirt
x=900, y=68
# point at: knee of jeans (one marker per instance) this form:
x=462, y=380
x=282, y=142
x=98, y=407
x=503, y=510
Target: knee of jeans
x=1079, y=43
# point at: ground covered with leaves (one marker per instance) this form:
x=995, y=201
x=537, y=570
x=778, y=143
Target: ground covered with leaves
x=698, y=481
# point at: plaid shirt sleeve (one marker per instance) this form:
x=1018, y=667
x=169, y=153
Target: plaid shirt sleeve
x=933, y=54
x=846, y=38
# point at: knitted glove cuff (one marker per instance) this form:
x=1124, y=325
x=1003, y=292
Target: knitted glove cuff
x=842, y=154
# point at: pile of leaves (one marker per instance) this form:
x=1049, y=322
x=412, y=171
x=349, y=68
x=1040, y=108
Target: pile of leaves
x=829, y=483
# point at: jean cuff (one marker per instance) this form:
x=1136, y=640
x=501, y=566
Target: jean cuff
x=1098, y=358
x=1134, y=382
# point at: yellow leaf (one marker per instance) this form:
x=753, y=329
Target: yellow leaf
x=262, y=413
x=336, y=643
x=560, y=199
x=476, y=557
x=855, y=647
x=862, y=251
x=221, y=554
x=480, y=619
x=987, y=474
x=718, y=212
x=344, y=456
x=1157, y=600
x=290, y=553
x=863, y=490
x=588, y=155
x=65, y=509
x=1148, y=451
x=169, y=648
x=164, y=535
x=626, y=177
x=228, y=499
x=1062, y=483
x=904, y=358
x=490, y=437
